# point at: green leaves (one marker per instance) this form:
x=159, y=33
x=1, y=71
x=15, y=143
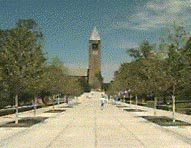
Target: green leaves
x=164, y=68
x=145, y=50
x=22, y=57
x=23, y=67
x=56, y=81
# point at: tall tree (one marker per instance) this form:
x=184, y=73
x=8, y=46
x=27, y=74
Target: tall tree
x=21, y=57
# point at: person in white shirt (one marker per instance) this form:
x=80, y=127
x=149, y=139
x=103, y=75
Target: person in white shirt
x=103, y=101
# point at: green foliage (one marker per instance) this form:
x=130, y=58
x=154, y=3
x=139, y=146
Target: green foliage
x=73, y=87
x=145, y=50
x=164, y=69
x=55, y=81
x=99, y=77
x=22, y=58
x=56, y=62
x=105, y=86
x=23, y=68
x=84, y=84
x=135, y=53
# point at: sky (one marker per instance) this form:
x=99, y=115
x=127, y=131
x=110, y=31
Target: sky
x=122, y=24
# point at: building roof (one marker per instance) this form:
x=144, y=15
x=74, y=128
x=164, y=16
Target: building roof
x=77, y=71
x=95, y=35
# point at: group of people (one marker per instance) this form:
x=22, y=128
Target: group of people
x=125, y=95
x=122, y=96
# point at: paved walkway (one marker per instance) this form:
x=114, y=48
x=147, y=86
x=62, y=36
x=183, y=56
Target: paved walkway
x=86, y=126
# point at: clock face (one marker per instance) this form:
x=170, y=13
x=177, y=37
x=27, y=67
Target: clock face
x=94, y=46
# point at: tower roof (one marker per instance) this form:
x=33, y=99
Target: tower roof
x=95, y=35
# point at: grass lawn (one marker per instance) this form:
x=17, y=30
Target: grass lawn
x=134, y=110
x=69, y=106
x=165, y=121
x=121, y=106
x=25, y=122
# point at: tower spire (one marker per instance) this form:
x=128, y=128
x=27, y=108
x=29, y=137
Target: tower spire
x=95, y=35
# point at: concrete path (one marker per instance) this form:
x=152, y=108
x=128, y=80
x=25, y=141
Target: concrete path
x=86, y=126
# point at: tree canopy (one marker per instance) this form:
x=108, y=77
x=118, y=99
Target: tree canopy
x=24, y=70
x=162, y=68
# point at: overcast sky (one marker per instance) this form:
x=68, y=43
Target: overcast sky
x=122, y=24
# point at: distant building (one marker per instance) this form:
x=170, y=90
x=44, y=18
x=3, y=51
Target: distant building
x=77, y=72
x=93, y=74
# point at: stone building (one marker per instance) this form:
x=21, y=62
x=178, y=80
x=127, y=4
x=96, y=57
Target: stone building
x=77, y=72
x=94, y=76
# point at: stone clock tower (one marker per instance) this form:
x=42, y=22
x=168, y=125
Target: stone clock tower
x=95, y=78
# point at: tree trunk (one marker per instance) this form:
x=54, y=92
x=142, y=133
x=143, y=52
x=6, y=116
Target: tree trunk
x=17, y=110
x=53, y=103
x=130, y=100
x=58, y=100
x=155, y=105
x=136, y=100
x=164, y=99
x=173, y=107
x=35, y=105
x=173, y=103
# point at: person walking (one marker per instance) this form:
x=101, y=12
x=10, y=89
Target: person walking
x=103, y=101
